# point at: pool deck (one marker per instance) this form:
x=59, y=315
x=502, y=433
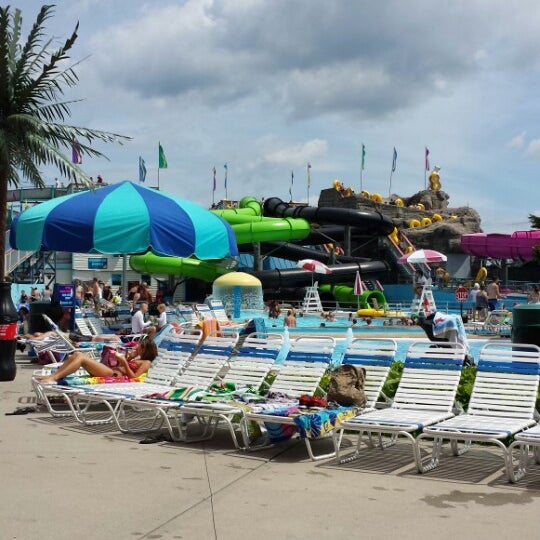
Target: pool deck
x=64, y=481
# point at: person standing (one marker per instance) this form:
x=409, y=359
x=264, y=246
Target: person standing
x=290, y=319
x=46, y=294
x=78, y=292
x=474, y=292
x=481, y=303
x=493, y=294
x=162, y=319
x=534, y=295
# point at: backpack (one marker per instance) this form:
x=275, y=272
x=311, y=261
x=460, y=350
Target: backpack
x=346, y=385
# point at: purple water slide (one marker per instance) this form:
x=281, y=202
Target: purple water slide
x=518, y=245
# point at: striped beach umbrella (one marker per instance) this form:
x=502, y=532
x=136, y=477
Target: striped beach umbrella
x=123, y=218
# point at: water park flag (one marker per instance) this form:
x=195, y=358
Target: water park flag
x=394, y=160
x=309, y=175
x=142, y=170
x=363, y=156
x=226, y=171
x=427, y=158
x=214, y=171
x=161, y=158
x=292, y=183
x=76, y=156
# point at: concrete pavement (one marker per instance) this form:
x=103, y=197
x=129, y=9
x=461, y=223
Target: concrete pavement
x=64, y=481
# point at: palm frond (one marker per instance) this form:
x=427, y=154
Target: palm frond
x=4, y=57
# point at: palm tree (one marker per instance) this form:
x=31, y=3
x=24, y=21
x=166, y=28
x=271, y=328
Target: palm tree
x=33, y=78
x=535, y=221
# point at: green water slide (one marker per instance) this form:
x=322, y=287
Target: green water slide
x=189, y=267
x=248, y=224
x=345, y=295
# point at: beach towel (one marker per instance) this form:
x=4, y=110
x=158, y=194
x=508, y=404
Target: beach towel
x=450, y=327
x=312, y=424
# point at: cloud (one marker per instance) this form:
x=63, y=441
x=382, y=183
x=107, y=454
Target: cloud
x=533, y=149
x=297, y=154
x=518, y=141
x=314, y=59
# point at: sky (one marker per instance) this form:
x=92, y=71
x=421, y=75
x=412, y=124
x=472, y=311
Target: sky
x=268, y=87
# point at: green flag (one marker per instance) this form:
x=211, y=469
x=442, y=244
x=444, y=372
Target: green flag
x=363, y=156
x=162, y=158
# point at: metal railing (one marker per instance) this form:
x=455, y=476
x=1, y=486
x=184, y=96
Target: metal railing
x=14, y=257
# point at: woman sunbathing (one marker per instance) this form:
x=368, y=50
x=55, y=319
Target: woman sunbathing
x=133, y=364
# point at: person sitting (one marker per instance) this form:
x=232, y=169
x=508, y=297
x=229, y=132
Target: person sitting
x=138, y=324
x=419, y=282
x=132, y=364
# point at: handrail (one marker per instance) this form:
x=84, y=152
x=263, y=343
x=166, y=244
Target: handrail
x=14, y=257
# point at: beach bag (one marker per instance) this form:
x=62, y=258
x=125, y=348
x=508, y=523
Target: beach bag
x=346, y=385
x=108, y=356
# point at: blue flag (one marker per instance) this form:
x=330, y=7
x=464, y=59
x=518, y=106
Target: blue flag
x=394, y=160
x=142, y=170
x=226, y=171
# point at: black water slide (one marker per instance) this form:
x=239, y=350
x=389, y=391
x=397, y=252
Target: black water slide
x=296, y=277
x=333, y=222
x=371, y=223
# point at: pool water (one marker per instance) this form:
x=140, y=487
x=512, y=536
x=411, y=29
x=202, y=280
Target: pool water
x=316, y=321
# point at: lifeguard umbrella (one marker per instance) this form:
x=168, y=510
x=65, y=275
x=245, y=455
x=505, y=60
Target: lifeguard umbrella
x=123, y=218
x=422, y=256
x=314, y=266
x=358, y=288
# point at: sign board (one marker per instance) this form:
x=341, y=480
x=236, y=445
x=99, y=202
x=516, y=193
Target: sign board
x=63, y=294
x=462, y=294
x=97, y=263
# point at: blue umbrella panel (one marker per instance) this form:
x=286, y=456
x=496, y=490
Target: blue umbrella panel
x=123, y=218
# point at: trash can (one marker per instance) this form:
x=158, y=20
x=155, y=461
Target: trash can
x=526, y=324
x=36, y=322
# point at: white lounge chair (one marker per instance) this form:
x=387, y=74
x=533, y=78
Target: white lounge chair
x=425, y=396
x=200, y=372
x=204, y=311
x=218, y=311
x=502, y=403
x=523, y=441
x=188, y=314
x=83, y=399
x=306, y=363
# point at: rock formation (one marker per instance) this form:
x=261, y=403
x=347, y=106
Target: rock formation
x=444, y=235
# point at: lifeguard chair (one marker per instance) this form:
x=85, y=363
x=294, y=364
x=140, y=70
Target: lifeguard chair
x=425, y=303
x=312, y=301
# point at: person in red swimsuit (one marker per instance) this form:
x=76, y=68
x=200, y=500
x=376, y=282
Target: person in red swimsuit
x=133, y=364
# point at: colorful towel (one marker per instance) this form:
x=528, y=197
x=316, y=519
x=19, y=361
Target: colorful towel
x=315, y=425
x=308, y=423
x=77, y=380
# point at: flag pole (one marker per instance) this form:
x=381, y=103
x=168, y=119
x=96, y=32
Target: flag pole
x=393, y=168
x=362, y=162
x=158, y=177
x=226, y=167
x=308, y=180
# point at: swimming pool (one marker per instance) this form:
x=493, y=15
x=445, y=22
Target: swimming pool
x=315, y=323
